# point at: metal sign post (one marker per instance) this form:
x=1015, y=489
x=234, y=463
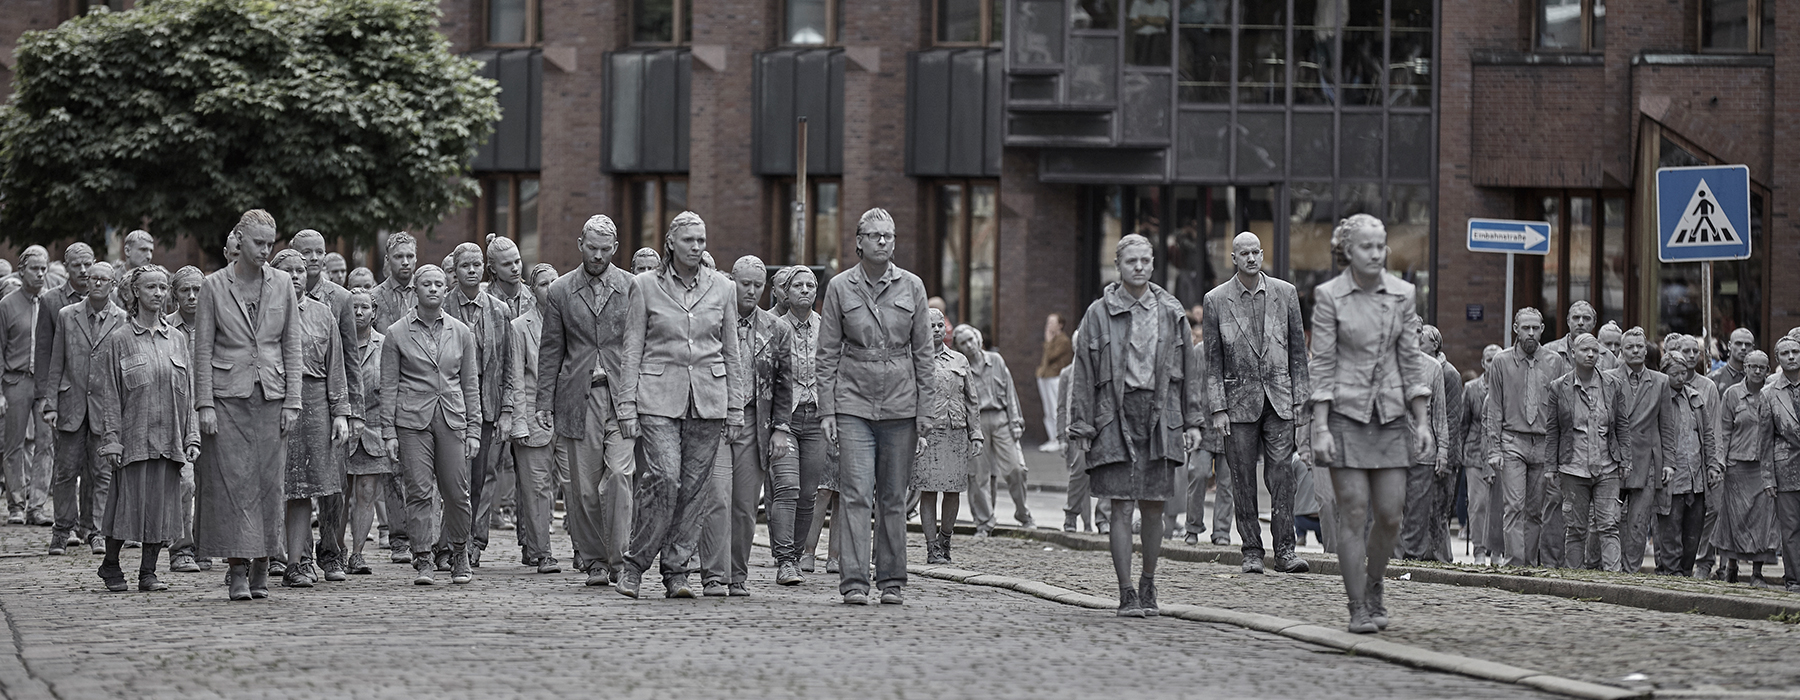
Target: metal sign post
x=799, y=242
x=1512, y=238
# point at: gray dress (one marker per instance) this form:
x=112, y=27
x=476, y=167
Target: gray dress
x=954, y=423
x=146, y=416
x=314, y=467
x=1745, y=529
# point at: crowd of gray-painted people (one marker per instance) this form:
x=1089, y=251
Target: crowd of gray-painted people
x=226, y=416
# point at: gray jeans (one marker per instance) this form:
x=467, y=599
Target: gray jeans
x=537, y=470
x=1272, y=438
x=81, y=484
x=676, y=459
x=1590, y=507
x=1202, y=467
x=1522, y=489
x=432, y=465
x=875, y=468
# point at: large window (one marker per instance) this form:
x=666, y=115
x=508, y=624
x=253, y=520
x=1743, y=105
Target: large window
x=512, y=22
x=970, y=22
x=1570, y=25
x=78, y=8
x=661, y=22
x=1349, y=52
x=966, y=224
x=1738, y=26
x=509, y=207
x=652, y=202
x=1587, y=260
x=819, y=244
x=812, y=22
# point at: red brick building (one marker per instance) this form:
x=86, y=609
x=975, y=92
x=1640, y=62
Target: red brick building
x=1015, y=140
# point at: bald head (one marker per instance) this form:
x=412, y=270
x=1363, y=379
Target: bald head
x=1247, y=254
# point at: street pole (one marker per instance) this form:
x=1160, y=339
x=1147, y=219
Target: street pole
x=1506, y=321
x=799, y=242
x=1706, y=326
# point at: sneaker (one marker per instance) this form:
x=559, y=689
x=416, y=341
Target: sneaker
x=1192, y=539
x=1128, y=603
x=15, y=518
x=277, y=567
x=357, y=566
x=629, y=582
x=548, y=565
x=475, y=556
x=808, y=563
x=184, y=563
x=460, y=571
x=59, y=544
x=1291, y=564
x=334, y=571
x=738, y=590
x=133, y=544
x=713, y=589
x=295, y=577
x=422, y=568
x=831, y=566
x=1069, y=523
x=787, y=574
x=149, y=582
x=1222, y=540
x=1253, y=565
x=96, y=544
x=204, y=563
x=597, y=575
x=37, y=518
x=1147, y=597
x=678, y=587
x=441, y=560
x=856, y=598
x=892, y=596
x=399, y=555
x=72, y=540
x=1360, y=623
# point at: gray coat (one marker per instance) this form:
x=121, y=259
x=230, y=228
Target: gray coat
x=769, y=360
x=583, y=330
x=681, y=352
x=232, y=357
x=1649, y=429
x=1243, y=372
x=337, y=299
x=1097, y=394
x=71, y=355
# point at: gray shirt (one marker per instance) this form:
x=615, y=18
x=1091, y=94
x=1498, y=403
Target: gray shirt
x=875, y=346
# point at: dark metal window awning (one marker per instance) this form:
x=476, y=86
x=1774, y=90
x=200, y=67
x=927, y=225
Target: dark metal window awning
x=954, y=112
x=648, y=110
x=517, y=141
x=790, y=84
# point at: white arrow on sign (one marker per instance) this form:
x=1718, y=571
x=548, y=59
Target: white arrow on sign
x=1528, y=238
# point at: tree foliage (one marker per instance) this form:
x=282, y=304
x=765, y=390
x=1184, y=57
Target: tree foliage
x=346, y=116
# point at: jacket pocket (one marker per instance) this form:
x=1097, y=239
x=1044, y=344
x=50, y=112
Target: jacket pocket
x=655, y=368
x=718, y=370
x=135, y=370
x=222, y=365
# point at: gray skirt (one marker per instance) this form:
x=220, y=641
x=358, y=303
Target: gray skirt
x=1370, y=445
x=145, y=503
x=314, y=468
x=361, y=463
x=1746, y=526
x=238, y=507
x=945, y=467
x=1143, y=478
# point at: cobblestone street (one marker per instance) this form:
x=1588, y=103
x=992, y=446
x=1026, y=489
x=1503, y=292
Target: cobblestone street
x=517, y=633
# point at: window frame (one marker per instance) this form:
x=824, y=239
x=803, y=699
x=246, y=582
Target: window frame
x=533, y=25
x=781, y=217
x=1588, y=44
x=1754, y=44
x=682, y=28
x=833, y=8
x=484, y=220
x=986, y=30
x=935, y=269
x=628, y=212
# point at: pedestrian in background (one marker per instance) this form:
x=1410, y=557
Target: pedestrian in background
x=315, y=467
x=953, y=441
x=1057, y=354
x=1485, y=505
x=1745, y=501
x=1003, y=424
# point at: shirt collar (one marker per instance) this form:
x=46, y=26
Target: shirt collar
x=1262, y=285
x=429, y=325
x=464, y=299
x=668, y=272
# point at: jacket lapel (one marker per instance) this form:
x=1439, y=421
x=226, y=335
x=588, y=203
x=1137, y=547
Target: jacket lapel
x=271, y=291
x=108, y=322
x=586, y=293
x=1237, y=317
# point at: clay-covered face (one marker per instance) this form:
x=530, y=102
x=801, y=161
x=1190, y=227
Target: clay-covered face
x=1247, y=254
x=1611, y=339
x=645, y=262
x=1634, y=349
x=1135, y=264
x=1581, y=319
x=402, y=260
x=878, y=242
x=312, y=251
x=76, y=266
x=469, y=270
x=362, y=307
x=1788, y=354
x=1587, y=352
x=803, y=288
x=1488, y=354
x=1756, y=368
x=751, y=282
x=255, y=245
x=508, y=264
x=938, y=323
x=1741, y=344
x=187, y=296
x=32, y=271
x=1368, y=251
x=336, y=269
x=100, y=283
x=967, y=344
x=152, y=290
x=1527, y=331
x=431, y=288
x=296, y=269
x=137, y=254
x=597, y=250
x=540, y=287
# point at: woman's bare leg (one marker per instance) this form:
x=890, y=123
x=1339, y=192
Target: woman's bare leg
x=1120, y=540
x=1352, y=488
x=1387, y=493
x=362, y=509
x=1151, y=538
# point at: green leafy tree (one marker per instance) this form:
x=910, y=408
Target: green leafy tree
x=346, y=116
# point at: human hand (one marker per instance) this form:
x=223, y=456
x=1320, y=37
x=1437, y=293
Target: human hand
x=504, y=425
x=192, y=452
x=1668, y=473
x=546, y=420
x=778, y=444
x=289, y=416
x=919, y=450
x=828, y=428
x=628, y=428
x=976, y=445
x=1424, y=441
x=471, y=446
x=1081, y=445
x=1324, y=446
x=357, y=425
x=115, y=459
x=1221, y=423
x=50, y=418
x=340, y=430
x=1487, y=477
x=393, y=448
x=1190, y=439
x=1018, y=430
x=209, y=421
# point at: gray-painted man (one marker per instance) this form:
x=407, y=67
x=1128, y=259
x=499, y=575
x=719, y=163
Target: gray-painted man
x=1003, y=424
x=1646, y=393
x=80, y=480
x=394, y=297
x=27, y=461
x=1515, y=429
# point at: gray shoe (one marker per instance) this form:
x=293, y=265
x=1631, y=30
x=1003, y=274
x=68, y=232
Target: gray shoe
x=738, y=590
x=856, y=598
x=1128, y=603
x=184, y=563
x=597, y=575
x=831, y=566
x=59, y=543
x=97, y=544
x=629, y=581
x=1291, y=564
x=422, y=570
x=1147, y=597
x=1253, y=565
x=808, y=563
x=1192, y=539
x=892, y=596
x=678, y=587
x=460, y=571
x=712, y=589
x=548, y=565
x=787, y=574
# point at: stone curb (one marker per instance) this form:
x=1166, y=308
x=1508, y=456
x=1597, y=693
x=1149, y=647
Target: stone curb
x=1294, y=629
x=1661, y=600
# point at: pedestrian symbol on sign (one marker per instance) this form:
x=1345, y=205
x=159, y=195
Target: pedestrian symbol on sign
x=1702, y=223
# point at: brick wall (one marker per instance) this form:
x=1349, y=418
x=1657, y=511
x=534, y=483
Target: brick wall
x=1039, y=265
x=721, y=187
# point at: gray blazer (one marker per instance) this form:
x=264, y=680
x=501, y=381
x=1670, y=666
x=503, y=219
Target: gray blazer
x=583, y=329
x=522, y=379
x=1243, y=372
x=337, y=299
x=677, y=352
x=71, y=355
x=769, y=360
x=232, y=357
x=414, y=386
x=1647, y=429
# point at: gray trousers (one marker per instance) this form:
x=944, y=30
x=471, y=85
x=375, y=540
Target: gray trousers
x=1678, y=533
x=1202, y=467
x=1418, y=538
x=1708, y=557
x=1787, y=531
x=432, y=466
x=1000, y=460
x=675, y=461
x=814, y=458
x=1590, y=507
x=751, y=468
x=713, y=554
x=598, y=491
x=484, y=481
x=1077, y=506
x=81, y=484
x=875, y=468
x=26, y=464
x=1485, y=507
x=1272, y=438
x=537, y=470
x=1635, y=523
x=1522, y=490
x=393, y=498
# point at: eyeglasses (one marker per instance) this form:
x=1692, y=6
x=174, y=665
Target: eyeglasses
x=878, y=236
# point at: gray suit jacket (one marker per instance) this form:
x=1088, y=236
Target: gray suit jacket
x=337, y=298
x=231, y=357
x=1242, y=372
x=679, y=352
x=71, y=354
x=583, y=329
x=522, y=379
x=414, y=385
x=769, y=360
x=1649, y=430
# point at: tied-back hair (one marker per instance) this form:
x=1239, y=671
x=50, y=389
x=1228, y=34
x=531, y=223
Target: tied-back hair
x=183, y=274
x=1132, y=239
x=465, y=248
x=1340, y=236
x=285, y=255
x=400, y=238
x=686, y=219
x=255, y=218
x=497, y=243
x=34, y=251
x=128, y=293
x=540, y=269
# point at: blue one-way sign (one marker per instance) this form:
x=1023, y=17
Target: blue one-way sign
x=1703, y=213
x=1507, y=236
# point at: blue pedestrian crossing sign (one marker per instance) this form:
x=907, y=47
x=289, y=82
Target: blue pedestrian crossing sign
x=1508, y=236
x=1703, y=213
